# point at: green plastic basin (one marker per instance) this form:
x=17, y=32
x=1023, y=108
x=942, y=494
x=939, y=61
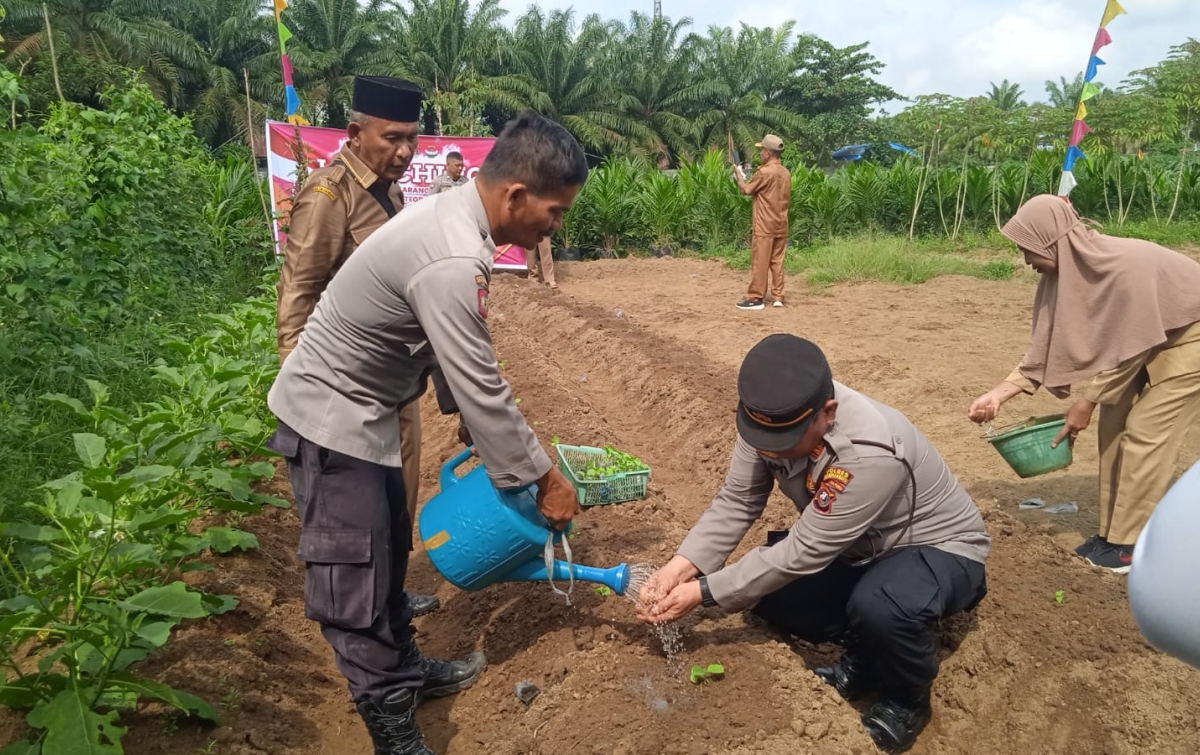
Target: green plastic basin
x=1027, y=448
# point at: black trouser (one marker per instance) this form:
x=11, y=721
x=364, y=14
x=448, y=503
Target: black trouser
x=354, y=540
x=883, y=612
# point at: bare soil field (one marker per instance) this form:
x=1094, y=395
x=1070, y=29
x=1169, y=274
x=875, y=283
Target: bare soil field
x=643, y=354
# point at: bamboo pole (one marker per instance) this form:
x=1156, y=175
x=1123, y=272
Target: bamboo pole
x=53, y=56
x=250, y=133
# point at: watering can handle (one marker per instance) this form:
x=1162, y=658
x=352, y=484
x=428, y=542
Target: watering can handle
x=449, y=479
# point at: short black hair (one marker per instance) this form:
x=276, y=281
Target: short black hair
x=537, y=152
x=454, y=156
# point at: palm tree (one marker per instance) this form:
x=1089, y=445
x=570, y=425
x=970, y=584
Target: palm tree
x=105, y=34
x=334, y=41
x=741, y=76
x=1006, y=96
x=458, y=56
x=1065, y=94
x=654, y=67
x=232, y=36
x=569, y=81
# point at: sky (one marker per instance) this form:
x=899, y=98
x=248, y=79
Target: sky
x=954, y=47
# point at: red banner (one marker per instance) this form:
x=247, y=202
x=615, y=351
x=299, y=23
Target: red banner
x=322, y=144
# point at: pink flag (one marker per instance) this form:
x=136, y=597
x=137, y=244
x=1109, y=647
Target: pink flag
x=287, y=71
x=1102, y=38
x=1078, y=131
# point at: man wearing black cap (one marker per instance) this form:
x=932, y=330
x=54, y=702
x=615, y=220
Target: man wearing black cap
x=336, y=210
x=411, y=300
x=888, y=542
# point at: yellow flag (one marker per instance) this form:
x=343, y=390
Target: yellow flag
x=1113, y=10
x=297, y=120
x=281, y=5
x=1081, y=113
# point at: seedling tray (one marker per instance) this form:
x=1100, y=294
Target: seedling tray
x=616, y=488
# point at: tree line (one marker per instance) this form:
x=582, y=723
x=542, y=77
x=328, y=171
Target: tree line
x=647, y=87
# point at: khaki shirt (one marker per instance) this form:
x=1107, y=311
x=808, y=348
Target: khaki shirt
x=444, y=182
x=332, y=215
x=412, y=298
x=854, y=502
x=771, y=188
x=1177, y=356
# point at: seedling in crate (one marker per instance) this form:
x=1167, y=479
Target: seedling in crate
x=614, y=463
x=704, y=674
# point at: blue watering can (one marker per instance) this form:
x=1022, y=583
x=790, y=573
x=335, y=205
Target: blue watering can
x=476, y=535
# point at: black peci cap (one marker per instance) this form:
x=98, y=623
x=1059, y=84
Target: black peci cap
x=784, y=381
x=388, y=98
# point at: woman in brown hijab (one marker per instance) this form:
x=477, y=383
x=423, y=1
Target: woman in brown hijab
x=1120, y=320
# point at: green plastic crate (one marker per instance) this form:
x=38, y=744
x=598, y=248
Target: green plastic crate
x=618, y=488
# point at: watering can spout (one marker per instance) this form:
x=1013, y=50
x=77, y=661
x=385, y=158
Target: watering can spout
x=616, y=578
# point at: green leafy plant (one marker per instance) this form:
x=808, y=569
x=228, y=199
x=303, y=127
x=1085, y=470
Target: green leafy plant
x=612, y=463
x=1060, y=596
x=704, y=674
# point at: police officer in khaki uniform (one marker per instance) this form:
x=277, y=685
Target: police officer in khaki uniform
x=412, y=299
x=887, y=544
x=541, y=263
x=453, y=176
x=771, y=188
x=337, y=209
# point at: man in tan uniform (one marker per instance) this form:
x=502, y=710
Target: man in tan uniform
x=413, y=299
x=541, y=263
x=771, y=188
x=453, y=176
x=887, y=544
x=337, y=209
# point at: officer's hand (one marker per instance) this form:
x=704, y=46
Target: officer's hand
x=556, y=499
x=679, y=603
x=1079, y=416
x=985, y=408
x=464, y=435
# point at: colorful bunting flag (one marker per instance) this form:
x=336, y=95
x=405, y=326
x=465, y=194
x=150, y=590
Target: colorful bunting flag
x=1073, y=155
x=293, y=99
x=1111, y=11
x=1078, y=131
x=1067, y=183
x=1103, y=38
x=1081, y=113
x=1090, y=90
x=1093, y=64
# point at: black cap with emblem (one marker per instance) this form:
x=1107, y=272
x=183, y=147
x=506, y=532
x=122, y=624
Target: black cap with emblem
x=388, y=98
x=784, y=381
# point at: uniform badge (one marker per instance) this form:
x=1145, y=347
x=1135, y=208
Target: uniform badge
x=834, y=481
x=816, y=452
x=482, y=283
x=326, y=191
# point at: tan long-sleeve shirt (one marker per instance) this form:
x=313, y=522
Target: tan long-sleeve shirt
x=412, y=298
x=854, y=501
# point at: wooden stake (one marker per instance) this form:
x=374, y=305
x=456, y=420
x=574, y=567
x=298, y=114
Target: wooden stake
x=53, y=57
x=250, y=133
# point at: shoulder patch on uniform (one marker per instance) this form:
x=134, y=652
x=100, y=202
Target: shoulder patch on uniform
x=833, y=482
x=325, y=190
x=816, y=452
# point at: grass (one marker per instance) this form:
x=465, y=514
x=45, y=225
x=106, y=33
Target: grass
x=888, y=259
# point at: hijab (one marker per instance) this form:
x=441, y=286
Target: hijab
x=1111, y=299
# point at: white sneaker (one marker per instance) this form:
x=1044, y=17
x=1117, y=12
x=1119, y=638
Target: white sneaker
x=778, y=303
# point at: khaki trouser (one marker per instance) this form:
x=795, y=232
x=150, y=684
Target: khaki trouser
x=541, y=262
x=1140, y=437
x=766, y=254
x=410, y=454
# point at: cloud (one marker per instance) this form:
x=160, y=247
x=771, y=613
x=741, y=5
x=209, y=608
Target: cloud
x=953, y=46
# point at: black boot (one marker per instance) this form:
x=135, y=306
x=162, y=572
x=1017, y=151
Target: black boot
x=444, y=678
x=853, y=676
x=897, y=719
x=392, y=724
x=422, y=604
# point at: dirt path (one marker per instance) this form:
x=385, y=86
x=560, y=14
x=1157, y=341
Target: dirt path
x=1023, y=675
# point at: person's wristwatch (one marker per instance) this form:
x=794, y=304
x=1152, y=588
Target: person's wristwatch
x=706, y=598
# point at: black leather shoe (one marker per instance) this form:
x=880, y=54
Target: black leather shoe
x=895, y=725
x=392, y=724
x=853, y=677
x=444, y=678
x=422, y=604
